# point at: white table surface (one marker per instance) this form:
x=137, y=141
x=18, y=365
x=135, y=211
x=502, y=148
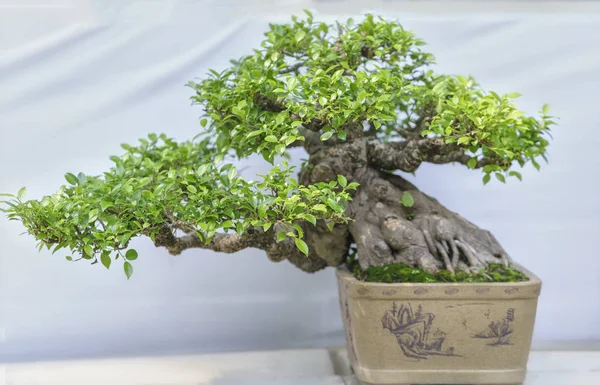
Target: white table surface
x=283, y=367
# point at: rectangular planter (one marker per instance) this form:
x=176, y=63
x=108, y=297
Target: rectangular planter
x=440, y=333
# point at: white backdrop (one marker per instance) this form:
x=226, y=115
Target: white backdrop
x=79, y=78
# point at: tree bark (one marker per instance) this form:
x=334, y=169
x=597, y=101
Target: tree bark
x=426, y=235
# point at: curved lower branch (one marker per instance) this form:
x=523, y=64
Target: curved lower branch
x=333, y=248
x=224, y=243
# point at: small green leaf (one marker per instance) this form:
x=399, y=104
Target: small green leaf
x=463, y=140
x=513, y=95
x=342, y=135
x=281, y=236
x=128, y=269
x=333, y=204
x=407, y=199
x=131, y=255
x=232, y=173
x=21, y=193
x=311, y=218
x=322, y=100
x=271, y=138
x=500, y=177
x=342, y=180
x=516, y=174
x=69, y=258
x=486, y=179
x=361, y=97
x=82, y=178
x=320, y=207
x=262, y=211
x=71, y=178
x=105, y=204
x=203, y=122
x=254, y=133
x=302, y=246
x=105, y=259
x=192, y=189
x=298, y=229
x=89, y=250
x=326, y=135
x=472, y=163
x=300, y=35
x=545, y=109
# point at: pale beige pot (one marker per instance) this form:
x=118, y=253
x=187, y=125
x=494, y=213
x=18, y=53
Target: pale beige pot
x=458, y=333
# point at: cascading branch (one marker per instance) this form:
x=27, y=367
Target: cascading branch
x=363, y=101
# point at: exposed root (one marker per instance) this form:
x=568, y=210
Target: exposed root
x=435, y=238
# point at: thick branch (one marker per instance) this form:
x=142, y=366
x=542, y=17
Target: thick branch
x=225, y=243
x=259, y=239
x=408, y=155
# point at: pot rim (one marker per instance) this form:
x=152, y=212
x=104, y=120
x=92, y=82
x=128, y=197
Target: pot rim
x=443, y=291
x=533, y=279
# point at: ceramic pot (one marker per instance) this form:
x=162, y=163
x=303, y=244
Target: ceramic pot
x=438, y=333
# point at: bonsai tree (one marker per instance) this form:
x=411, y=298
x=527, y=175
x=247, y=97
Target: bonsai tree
x=363, y=102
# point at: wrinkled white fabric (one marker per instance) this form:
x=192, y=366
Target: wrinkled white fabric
x=79, y=79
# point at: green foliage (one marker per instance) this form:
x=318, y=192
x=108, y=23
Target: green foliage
x=486, y=125
x=353, y=73
x=163, y=183
x=373, y=71
x=331, y=79
x=399, y=273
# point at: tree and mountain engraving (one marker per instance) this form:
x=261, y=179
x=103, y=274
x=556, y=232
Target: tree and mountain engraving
x=499, y=332
x=414, y=332
x=417, y=338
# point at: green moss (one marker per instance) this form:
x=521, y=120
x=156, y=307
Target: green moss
x=398, y=273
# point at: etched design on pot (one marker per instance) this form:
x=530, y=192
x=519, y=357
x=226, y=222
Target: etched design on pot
x=362, y=291
x=421, y=291
x=499, y=332
x=388, y=292
x=414, y=334
x=511, y=290
x=452, y=291
x=482, y=290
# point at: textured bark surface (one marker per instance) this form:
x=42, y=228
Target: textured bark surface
x=425, y=235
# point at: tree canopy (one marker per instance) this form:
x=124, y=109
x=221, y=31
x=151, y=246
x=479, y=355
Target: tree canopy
x=337, y=83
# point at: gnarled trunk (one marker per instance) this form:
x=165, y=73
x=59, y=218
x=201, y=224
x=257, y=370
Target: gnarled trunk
x=425, y=235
